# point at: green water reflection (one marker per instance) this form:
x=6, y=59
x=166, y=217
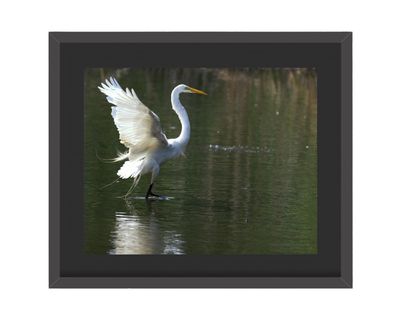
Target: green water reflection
x=248, y=183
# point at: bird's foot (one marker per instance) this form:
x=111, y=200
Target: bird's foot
x=153, y=195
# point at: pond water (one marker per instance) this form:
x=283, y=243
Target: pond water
x=248, y=182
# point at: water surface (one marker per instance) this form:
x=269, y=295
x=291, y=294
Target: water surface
x=248, y=183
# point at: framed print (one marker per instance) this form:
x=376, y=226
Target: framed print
x=200, y=160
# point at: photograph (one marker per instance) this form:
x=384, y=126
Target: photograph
x=200, y=161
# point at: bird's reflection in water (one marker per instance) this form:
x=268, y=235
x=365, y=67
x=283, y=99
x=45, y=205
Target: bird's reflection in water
x=140, y=231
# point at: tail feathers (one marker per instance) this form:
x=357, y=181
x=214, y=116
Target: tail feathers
x=120, y=156
x=131, y=169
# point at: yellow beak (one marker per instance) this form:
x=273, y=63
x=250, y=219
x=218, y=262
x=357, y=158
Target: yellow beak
x=193, y=90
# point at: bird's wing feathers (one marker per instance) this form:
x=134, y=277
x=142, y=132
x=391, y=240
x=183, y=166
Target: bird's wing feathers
x=139, y=128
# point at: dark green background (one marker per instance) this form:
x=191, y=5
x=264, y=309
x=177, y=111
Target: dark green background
x=248, y=183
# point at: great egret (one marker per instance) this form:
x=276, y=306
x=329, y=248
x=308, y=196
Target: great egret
x=140, y=131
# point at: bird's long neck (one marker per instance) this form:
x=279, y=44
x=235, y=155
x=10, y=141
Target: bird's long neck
x=184, y=136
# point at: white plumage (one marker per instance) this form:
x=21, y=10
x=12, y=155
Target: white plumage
x=140, y=131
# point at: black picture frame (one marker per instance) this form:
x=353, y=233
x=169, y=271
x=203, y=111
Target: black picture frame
x=329, y=52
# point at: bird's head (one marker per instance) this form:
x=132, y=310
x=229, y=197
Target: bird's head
x=182, y=88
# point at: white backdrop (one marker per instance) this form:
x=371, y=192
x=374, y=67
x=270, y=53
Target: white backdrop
x=24, y=123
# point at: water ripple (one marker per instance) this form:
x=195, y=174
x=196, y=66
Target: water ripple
x=245, y=149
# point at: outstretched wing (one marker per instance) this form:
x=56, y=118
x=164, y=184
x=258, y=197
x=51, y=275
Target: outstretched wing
x=139, y=128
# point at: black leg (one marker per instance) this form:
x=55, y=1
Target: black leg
x=149, y=193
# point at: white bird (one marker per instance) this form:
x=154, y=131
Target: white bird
x=140, y=131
